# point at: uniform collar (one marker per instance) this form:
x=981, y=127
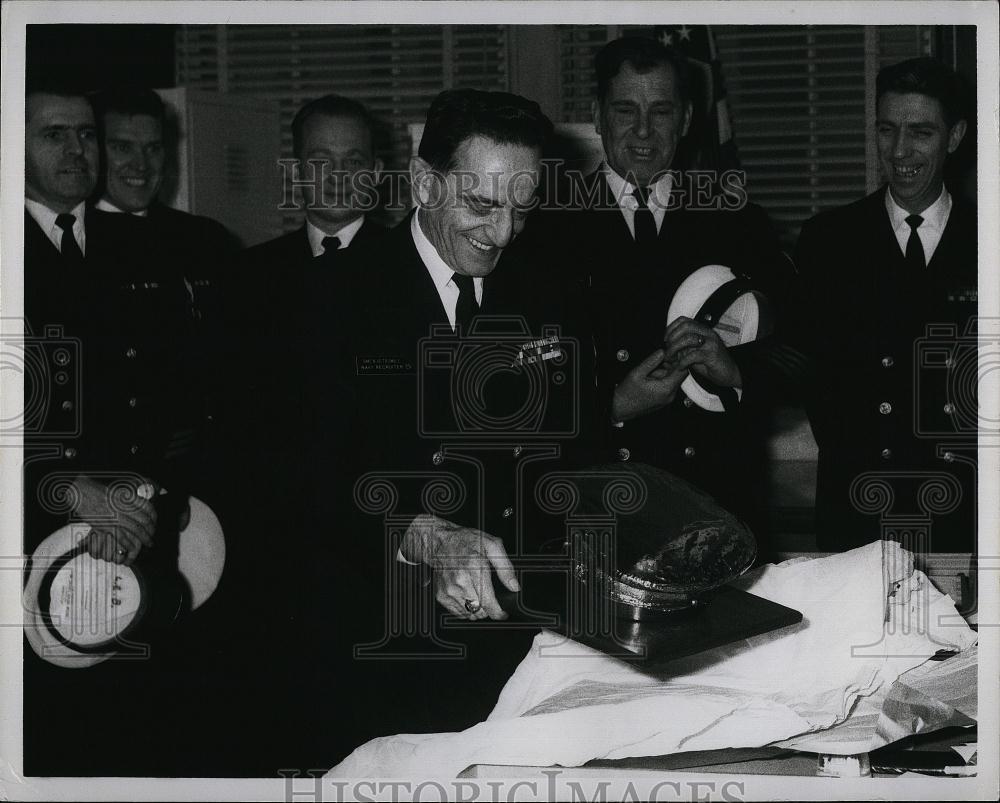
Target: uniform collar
x=935, y=216
x=344, y=234
x=106, y=206
x=622, y=190
x=439, y=270
x=46, y=220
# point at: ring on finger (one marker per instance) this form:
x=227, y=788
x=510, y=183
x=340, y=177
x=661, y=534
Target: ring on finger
x=701, y=340
x=472, y=606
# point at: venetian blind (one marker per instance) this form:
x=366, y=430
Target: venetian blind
x=801, y=100
x=798, y=105
x=395, y=70
x=578, y=44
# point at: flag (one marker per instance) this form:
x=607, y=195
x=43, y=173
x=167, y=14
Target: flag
x=709, y=144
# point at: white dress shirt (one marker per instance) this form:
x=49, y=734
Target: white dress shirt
x=442, y=276
x=46, y=220
x=345, y=235
x=659, y=197
x=440, y=273
x=935, y=219
x=106, y=206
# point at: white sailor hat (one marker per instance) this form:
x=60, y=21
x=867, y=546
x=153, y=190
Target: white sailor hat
x=715, y=296
x=80, y=611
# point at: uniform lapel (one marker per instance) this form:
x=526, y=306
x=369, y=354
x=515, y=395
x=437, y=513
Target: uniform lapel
x=37, y=246
x=299, y=245
x=610, y=214
x=958, y=237
x=418, y=293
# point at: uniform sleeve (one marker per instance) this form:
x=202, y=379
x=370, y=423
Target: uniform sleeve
x=807, y=329
x=773, y=275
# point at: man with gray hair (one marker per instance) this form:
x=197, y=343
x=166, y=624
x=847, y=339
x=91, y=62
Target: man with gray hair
x=459, y=376
x=631, y=233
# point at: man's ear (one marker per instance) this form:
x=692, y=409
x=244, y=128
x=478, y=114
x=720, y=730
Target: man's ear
x=595, y=112
x=377, y=167
x=424, y=182
x=955, y=135
x=688, y=113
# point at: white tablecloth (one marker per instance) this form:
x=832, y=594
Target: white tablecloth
x=868, y=616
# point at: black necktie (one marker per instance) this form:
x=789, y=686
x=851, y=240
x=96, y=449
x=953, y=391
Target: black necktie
x=330, y=245
x=645, y=224
x=645, y=230
x=69, y=248
x=467, y=306
x=914, y=248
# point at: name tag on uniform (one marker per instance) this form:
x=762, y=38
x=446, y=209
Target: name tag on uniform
x=538, y=350
x=383, y=365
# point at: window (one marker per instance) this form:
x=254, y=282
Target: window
x=395, y=70
x=801, y=100
x=800, y=96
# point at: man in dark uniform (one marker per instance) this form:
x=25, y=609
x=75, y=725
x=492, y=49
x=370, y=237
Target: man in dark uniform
x=133, y=132
x=889, y=285
x=84, y=273
x=263, y=375
x=333, y=143
x=115, y=320
x=132, y=125
x=631, y=233
x=462, y=376
x=267, y=305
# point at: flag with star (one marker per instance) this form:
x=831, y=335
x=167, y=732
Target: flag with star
x=709, y=144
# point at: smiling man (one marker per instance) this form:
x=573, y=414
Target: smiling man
x=441, y=277
x=135, y=155
x=632, y=232
x=81, y=272
x=458, y=375
x=133, y=127
x=876, y=275
x=113, y=316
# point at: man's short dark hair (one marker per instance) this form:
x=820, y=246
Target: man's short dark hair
x=457, y=114
x=131, y=101
x=642, y=54
x=925, y=76
x=48, y=84
x=330, y=106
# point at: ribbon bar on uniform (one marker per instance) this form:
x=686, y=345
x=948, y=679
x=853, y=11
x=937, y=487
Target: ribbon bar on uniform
x=536, y=350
